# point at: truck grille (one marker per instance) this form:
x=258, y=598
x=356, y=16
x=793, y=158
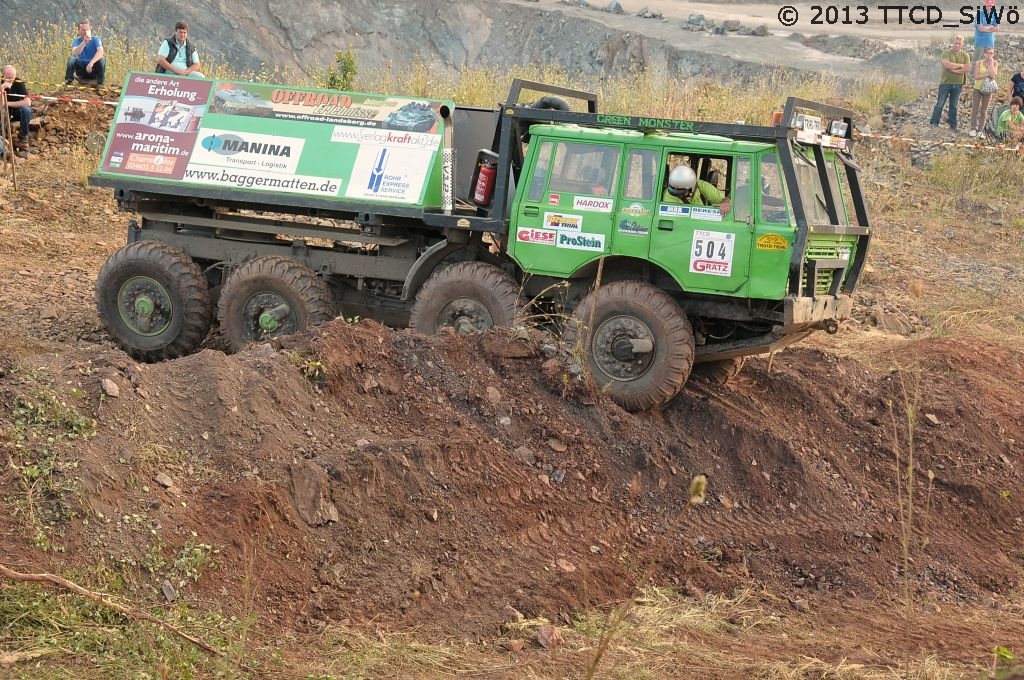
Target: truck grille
x=820, y=251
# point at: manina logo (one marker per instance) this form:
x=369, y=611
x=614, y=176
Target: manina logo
x=229, y=145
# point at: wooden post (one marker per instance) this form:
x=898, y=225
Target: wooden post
x=6, y=125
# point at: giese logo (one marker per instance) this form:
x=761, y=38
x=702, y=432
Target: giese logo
x=543, y=236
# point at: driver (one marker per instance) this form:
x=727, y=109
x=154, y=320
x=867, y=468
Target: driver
x=684, y=187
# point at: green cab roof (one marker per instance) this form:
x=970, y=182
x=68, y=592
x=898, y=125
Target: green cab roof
x=614, y=135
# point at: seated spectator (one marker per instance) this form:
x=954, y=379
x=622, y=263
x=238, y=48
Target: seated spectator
x=87, y=59
x=19, y=105
x=1010, y=127
x=178, y=54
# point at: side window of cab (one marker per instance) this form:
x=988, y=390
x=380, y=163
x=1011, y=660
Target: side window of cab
x=773, y=192
x=540, y=172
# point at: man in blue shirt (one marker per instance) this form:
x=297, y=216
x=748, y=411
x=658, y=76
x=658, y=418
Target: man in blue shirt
x=86, y=60
x=986, y=25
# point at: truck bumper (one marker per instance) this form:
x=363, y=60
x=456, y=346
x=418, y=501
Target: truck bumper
x=809, y=310
x=802, y=316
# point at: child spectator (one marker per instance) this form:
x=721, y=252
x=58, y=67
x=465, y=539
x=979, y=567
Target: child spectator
x=1010, y=127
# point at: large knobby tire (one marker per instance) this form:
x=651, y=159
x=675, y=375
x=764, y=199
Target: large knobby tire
x=611, y=326
x=466, y=296
x=154, y=301
x=271, y=296
x=719, y=372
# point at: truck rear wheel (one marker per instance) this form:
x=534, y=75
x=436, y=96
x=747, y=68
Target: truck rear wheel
x=271, y=296
x=719, y=372
x=466, y=296
x=154, y=301
x=638, y=345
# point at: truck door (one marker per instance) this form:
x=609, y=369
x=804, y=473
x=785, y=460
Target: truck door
x=704, y=249
x=637, y=204
x=564, y=219
x=773, y=232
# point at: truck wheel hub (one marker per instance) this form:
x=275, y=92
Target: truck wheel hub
x=613, y=348
x=465, y=315
x=266, y=314
x=144, y=306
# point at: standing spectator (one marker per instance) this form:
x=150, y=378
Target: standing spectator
x=956, y=64
x=178, y=54
x=985, y=73
x=1011, y=122
x=19, y=105
x=86, y=60
x=986, y=25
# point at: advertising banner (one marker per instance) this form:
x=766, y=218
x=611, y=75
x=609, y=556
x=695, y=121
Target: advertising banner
x=277, y=139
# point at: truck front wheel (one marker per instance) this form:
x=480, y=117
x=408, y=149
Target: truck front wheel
x=154, y=301
x=466, y=296
x=637, y=342
x=271, y=296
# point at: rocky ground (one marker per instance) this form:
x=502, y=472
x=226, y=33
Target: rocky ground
x=446, y=483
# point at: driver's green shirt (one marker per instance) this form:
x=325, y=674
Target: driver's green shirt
x=705, y=194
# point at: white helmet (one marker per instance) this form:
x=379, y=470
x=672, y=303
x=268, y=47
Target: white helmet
x=681, y=180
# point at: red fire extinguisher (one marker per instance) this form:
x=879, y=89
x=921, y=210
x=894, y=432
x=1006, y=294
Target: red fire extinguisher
x=486, y=171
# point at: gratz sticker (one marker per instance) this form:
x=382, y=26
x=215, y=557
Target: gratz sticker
x=712, y=253
x=563, y=222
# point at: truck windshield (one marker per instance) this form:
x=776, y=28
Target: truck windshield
x=811, y=192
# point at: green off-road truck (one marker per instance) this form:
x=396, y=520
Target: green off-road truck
x=274, y=208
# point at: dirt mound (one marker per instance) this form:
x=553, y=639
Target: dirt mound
x=371, y=474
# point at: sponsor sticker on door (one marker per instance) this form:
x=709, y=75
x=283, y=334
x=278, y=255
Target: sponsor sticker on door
x=545, y=237
x=712, y=253
x=562, y=222
x=581, y=241
x=771, y=242
x=592, y=203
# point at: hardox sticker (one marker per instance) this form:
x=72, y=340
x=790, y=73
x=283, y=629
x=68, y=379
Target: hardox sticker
x=592, y=203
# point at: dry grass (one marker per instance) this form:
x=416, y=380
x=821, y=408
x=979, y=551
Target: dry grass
x=665, y=635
